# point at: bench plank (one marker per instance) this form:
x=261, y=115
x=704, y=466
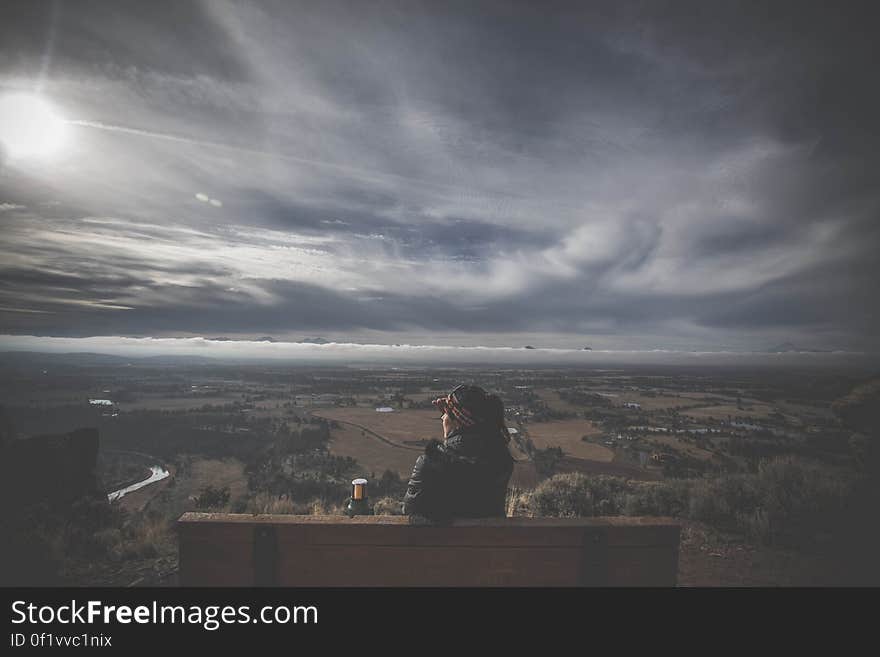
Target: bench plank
x=243, y=550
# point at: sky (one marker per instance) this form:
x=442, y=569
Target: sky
x=623, y=175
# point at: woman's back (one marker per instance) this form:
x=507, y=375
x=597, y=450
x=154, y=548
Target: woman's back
x=464, y=477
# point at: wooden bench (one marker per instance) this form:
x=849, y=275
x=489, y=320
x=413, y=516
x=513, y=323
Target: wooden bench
x=218, y=549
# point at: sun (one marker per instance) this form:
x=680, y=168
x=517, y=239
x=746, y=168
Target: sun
x=30, y=127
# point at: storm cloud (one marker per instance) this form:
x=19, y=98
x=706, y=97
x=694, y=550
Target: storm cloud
x=641, y=175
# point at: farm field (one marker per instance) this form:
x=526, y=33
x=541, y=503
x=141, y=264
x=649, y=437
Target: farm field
x=373, y=455
x=567, y=434
x=397, y=426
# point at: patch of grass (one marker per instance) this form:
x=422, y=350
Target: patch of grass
x=147, y=537
x=265, y=502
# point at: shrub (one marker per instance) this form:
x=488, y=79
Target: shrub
x=574, y=495
x=388, y=506
x=657, y=499
x=786, y=501
x=212, y=498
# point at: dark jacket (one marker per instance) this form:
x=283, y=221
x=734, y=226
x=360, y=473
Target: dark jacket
x=464, y=477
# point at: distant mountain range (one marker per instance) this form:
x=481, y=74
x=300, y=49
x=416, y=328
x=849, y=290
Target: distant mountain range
x=87, y=359
x=269, y=338
x=789, y=346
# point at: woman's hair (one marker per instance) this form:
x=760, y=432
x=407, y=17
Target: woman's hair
x=471, y=406
x=496, y=414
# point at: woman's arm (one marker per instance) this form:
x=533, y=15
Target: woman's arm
x=424, y=496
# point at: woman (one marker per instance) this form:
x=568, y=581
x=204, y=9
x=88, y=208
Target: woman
x=466, y=475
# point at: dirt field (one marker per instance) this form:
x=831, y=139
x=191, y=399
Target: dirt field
x=567, y=435
x=373, y=455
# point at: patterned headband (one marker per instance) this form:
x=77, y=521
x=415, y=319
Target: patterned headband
x=450, y=404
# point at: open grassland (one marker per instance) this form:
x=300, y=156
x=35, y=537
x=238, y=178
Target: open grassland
x=555, y=402
x=682, y=446
x=177, y=403
x=653, y=403
x=567, y=434
x=219, y=474
x=373, y=455
x=396, y=426
x=805, y=412
x=592, y=467
x=722, y=411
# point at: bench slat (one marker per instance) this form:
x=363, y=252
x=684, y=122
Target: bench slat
x=243, y=550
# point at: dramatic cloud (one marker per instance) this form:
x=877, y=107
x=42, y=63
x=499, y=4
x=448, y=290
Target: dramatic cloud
x=631, y=174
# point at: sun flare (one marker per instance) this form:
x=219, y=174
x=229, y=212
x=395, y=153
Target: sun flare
x=30, y=127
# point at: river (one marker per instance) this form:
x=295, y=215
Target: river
x=157, y=473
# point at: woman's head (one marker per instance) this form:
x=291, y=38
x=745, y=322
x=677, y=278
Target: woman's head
x=471, y=406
